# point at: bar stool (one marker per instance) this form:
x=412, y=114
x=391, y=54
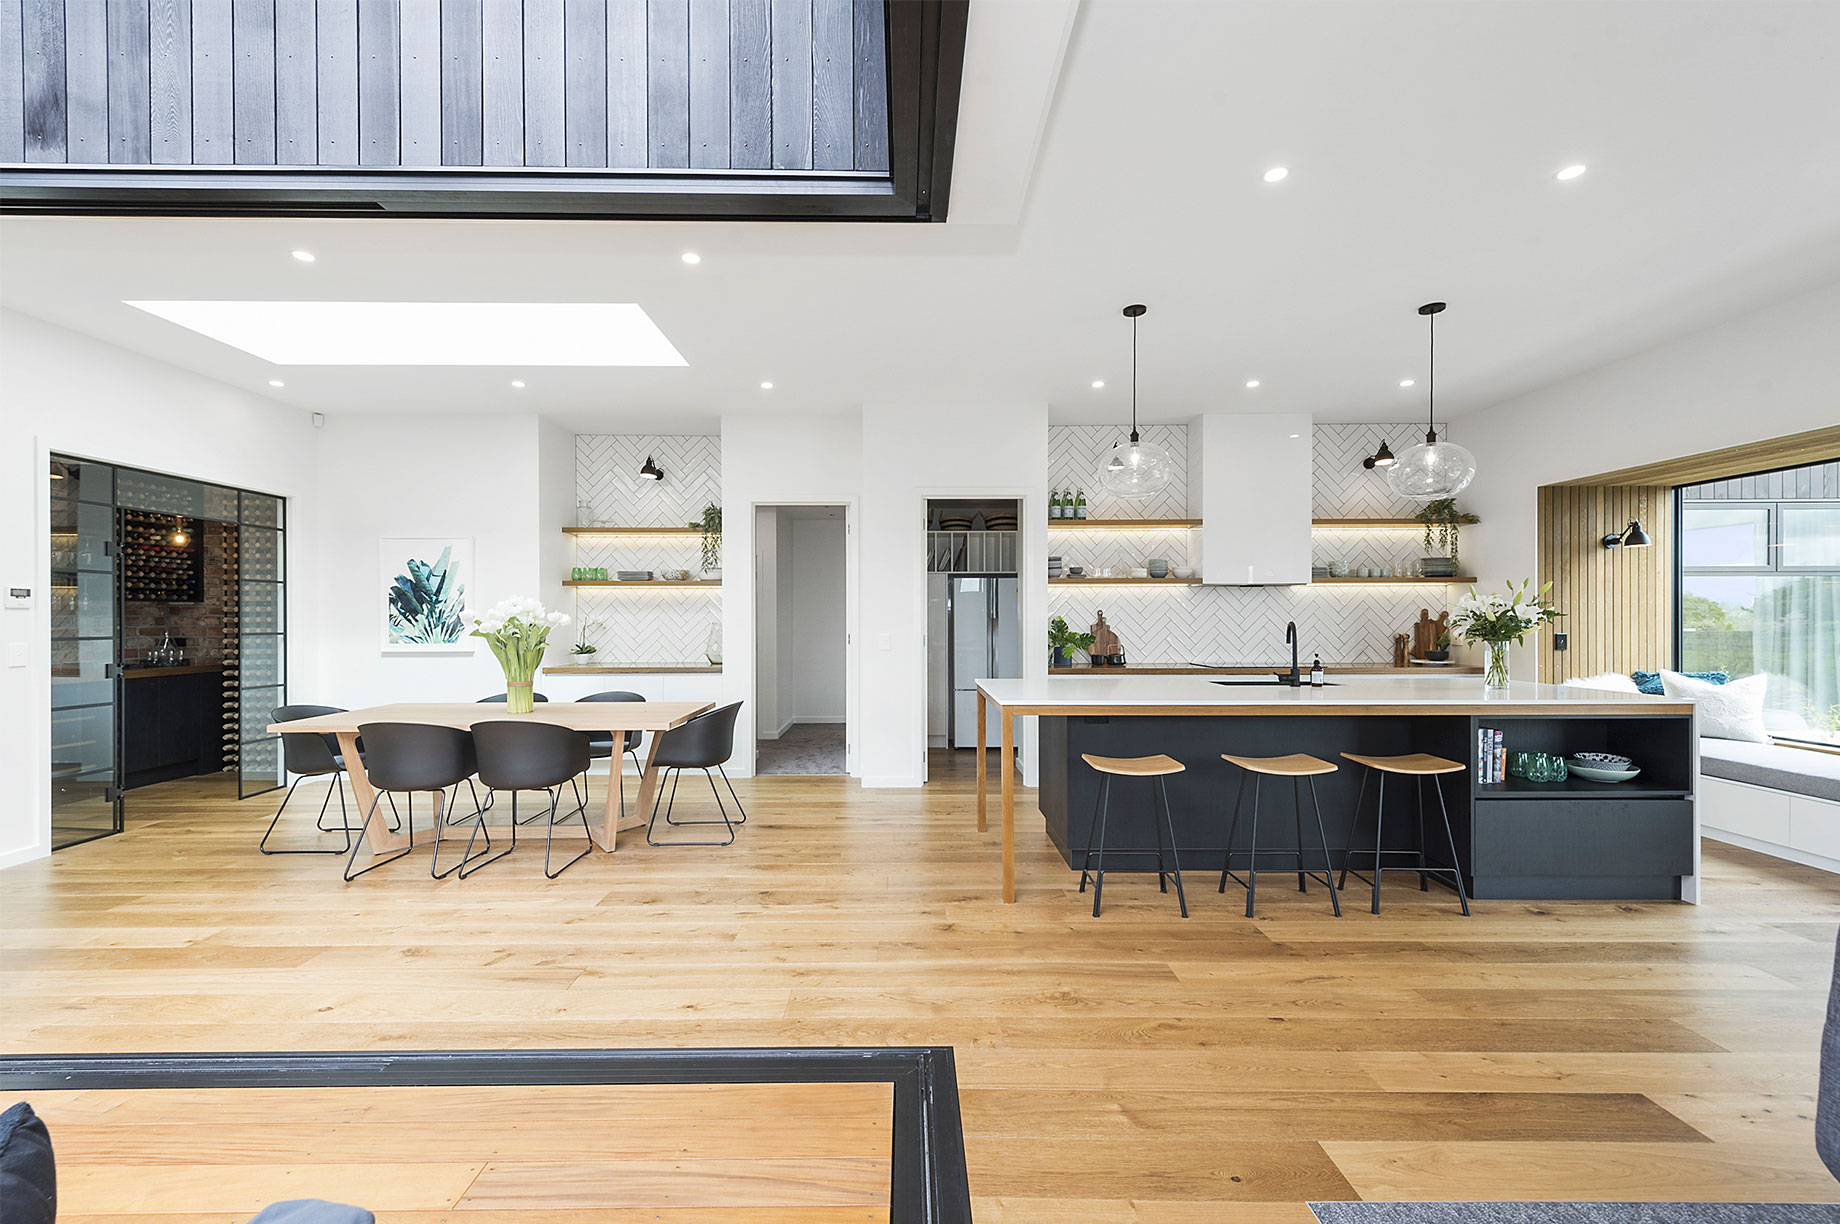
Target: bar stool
x=1297, y=767
x=1155, y=768
x=1417, y=765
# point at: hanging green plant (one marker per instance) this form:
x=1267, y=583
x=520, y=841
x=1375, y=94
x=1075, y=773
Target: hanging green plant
x=1443, y=525
x=711, y=527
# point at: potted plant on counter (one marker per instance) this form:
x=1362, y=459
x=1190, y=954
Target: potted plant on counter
x=711, y=527
x=1062, y=642
x=517, y=630
x=1497, y=621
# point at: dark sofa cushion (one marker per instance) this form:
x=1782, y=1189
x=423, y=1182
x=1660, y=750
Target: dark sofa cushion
x=1795, y=770
x=28, y=1174
x=311, y=1211
x=1650, y=682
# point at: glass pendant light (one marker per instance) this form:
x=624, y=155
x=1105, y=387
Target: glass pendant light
x=1140, y=469
x=1434, y=469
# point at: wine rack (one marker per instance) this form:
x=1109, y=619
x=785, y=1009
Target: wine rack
x=153, y=568
x=233, y=654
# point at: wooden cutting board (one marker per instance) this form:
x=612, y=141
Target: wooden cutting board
x=1426, y=632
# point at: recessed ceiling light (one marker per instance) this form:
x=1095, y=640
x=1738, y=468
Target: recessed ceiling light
x=1098, y=384
x=691, y=257
x=1569, y=173
x=518, y=383
x=1296, y=435
x=305, y=256
x=766, y=386
x=515, y=334
x=1406, y=382
x=276, y=382
x=1251, y=383
x=1277, y=174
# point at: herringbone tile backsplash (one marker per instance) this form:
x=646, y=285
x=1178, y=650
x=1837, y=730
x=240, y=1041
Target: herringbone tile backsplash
x=1211, y=624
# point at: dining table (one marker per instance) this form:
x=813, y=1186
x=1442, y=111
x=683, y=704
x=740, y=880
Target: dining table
x=613, y=718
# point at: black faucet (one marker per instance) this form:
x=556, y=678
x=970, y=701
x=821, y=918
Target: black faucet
x=1295, y=677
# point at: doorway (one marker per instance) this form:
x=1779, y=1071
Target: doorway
x=801, y=640
x=974, y=624
x=168, y=638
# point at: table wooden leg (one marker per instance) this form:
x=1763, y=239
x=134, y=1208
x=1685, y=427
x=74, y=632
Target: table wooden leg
x=983, y=823
x=606, y=833
x=379, y=839
x=1005, y=767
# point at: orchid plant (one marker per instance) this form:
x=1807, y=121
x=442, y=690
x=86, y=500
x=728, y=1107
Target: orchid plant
x=1498, y=620
x=517, y=630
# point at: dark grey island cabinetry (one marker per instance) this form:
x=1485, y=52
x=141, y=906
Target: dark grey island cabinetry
x=1515, y=840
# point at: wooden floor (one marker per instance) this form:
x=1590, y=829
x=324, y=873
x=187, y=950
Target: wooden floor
x=1134, y=1068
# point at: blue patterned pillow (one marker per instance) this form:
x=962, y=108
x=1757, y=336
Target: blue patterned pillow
x=1650, y=682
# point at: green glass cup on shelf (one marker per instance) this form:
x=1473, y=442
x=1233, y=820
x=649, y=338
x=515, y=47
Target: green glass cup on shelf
x=1538, y=766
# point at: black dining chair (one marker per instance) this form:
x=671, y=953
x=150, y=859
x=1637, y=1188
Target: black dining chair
x=310, y=754
x=705, y=742
x=600, y=743
x=499, y=699
x=515, y=756
x=410, y=757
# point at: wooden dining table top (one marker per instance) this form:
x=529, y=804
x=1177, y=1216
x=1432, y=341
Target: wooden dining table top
x=575, y=715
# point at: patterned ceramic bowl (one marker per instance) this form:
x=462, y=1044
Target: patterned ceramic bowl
x=1604, y=760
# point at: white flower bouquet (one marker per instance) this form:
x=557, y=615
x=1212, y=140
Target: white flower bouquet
x=1498, y=620
x=517, y=630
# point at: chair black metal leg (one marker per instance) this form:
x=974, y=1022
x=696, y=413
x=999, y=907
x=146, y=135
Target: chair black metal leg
x=549, y=839
x=1297, y=803
x=1105, y=810
x=1450, y=839
x=723, y=821
x=1424, y=878
x=345, y=825
x=396, y=816
x=1379, y=840
x=351, y=875
x=1175, y=859
x=677, y=776
x=1335, y=896
x=1226, y=860
x=320, y=820
x=1354, y=827
x=733, y=795
x=1092, y=833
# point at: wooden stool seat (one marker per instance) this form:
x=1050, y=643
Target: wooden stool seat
x=1420, y=764
x=1296, y=765
x=1134, y=767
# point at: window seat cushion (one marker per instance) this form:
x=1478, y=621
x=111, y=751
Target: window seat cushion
x=1795, y=770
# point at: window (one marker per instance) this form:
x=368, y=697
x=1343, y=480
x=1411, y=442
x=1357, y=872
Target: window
x=1760, y=591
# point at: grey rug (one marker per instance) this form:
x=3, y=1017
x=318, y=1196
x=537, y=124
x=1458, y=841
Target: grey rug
x=1576, y=1213
x=806, y=748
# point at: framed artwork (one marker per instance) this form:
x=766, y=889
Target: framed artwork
x=423, y=584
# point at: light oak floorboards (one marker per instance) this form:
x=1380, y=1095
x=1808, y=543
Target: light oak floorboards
x=1134, y=1068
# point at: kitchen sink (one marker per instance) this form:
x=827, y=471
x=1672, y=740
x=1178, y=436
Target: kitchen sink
x=1266, y=681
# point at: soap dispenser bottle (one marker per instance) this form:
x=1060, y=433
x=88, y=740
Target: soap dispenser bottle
x=1316, y=671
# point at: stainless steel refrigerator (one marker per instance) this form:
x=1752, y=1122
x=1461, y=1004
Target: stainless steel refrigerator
x=986, y=641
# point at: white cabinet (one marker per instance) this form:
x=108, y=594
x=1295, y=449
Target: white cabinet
x=1249, y=484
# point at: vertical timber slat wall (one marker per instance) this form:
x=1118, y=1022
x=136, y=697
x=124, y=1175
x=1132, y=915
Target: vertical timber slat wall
x=627, y=84
x=1618, y=602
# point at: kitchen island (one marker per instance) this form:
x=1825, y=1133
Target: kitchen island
x=1521, y=840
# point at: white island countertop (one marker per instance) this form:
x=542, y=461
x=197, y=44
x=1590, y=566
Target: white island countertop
x=1347, y=695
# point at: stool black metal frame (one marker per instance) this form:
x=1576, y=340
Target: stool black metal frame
x=1101, y=809
x=1251, y=882
x=1422, y=867
x=677, y=774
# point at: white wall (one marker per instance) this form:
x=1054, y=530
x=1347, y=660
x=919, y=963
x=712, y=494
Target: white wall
x=781, y=715
x=817, y=622
x=68, y=393
x=1758, y=376
x=766, y=621
x=478, y=477
x=908, y=455
x=770, y=461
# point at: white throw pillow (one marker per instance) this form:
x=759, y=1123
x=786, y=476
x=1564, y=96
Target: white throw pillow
x=1732, y=711
x=1613, y=682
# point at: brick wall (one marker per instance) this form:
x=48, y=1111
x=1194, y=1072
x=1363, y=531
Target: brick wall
x=143, y=625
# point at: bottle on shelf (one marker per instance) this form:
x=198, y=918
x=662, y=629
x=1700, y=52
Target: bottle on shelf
x=1054, y=503
x=1079, y=505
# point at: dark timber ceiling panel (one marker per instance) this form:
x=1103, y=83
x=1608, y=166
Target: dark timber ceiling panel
x=601, y=107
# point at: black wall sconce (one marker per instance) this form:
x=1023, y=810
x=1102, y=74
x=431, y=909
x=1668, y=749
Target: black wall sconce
x=651, y=471
x=1382, y=458
x=1632, y=536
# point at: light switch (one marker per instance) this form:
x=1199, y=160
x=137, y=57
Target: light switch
x=18, y=597
x=16, y=654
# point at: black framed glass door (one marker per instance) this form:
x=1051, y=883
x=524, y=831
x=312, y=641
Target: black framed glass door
x=85, y=652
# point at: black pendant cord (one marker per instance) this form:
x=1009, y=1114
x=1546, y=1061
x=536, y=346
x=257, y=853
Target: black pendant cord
x=1431, y=310
x=1133, y=380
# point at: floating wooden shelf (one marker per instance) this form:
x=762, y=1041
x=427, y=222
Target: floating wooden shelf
x=1407, y=580
x=1121, y=524
x=1370, y=524
x=634, y=669
x=633, y=531
x=651, y=585
x=1124, y=582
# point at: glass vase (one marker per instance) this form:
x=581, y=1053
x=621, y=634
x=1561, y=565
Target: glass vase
x=520, y=696
x=1495, y=665
x=712, y=645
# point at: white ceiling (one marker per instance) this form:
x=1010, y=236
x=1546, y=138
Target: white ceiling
x=1421, y=138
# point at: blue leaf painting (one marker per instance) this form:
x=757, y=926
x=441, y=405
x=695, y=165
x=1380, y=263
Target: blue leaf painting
x=427, y=603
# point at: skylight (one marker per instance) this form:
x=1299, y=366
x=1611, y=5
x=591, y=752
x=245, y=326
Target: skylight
x=430, y=333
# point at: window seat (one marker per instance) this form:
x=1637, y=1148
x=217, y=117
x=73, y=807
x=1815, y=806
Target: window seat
x=1796, y=770
x=1775, y=800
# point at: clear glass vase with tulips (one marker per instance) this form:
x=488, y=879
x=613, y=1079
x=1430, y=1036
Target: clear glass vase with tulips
x=517, y=630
